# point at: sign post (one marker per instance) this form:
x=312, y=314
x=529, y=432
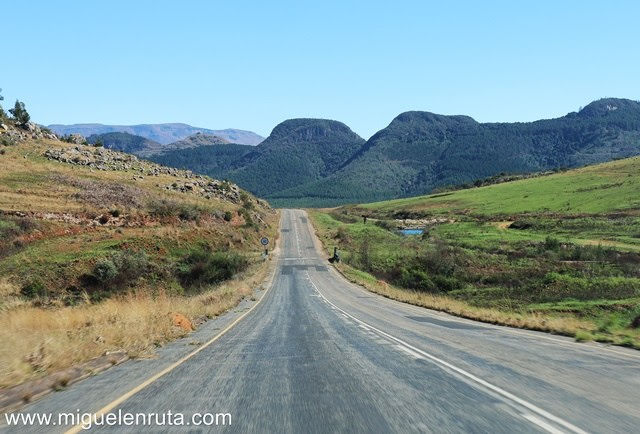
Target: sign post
x=265, y=242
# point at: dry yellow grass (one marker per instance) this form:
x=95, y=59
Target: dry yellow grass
x=36, y=341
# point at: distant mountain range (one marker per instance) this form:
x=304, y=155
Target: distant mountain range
x=160, y=133
x=316, y=162
x=144, y=147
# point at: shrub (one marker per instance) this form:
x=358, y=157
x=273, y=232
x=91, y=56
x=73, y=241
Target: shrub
x=105, y=271
x=202, y=267
x=551, y=243
x=228, y=216
x=168, y=208
x=248, y=220
x=385, y=224
x=247, y=203
x=439, y=261
x=342, y=234
x=115, y=212
x=33, y=288
x=416, y=279
x=364, y=254
x=121, y=268
x=7, y=141
x=447, y=283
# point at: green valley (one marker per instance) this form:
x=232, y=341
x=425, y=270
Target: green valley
x=557, y=252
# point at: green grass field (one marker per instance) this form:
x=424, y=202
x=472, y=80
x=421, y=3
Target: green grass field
x=561, y=246
x=603, y=188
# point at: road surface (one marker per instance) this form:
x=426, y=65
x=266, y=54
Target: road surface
x=318, y=354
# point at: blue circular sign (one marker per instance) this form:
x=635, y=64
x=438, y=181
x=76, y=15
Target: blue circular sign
x=264, y=241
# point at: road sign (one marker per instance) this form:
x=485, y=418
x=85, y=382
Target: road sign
x=264, y=241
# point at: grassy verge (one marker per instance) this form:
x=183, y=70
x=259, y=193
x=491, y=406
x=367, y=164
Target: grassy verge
x=39, y=340
x=520, y=279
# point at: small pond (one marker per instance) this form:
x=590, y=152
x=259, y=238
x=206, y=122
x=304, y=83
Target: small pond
x=411, y=231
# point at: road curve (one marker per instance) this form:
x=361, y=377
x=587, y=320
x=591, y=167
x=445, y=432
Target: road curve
x=319, y=354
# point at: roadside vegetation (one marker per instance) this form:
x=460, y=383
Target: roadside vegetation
x=558, y=253
x=93, y=261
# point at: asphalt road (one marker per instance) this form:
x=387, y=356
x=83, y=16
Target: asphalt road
x=318, y=354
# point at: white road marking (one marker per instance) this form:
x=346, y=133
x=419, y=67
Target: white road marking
x=532, y=334
x=409, y=352
x=541, y=423
x=507, y=397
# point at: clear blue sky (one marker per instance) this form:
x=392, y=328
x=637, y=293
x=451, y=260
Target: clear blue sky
x=251, y=65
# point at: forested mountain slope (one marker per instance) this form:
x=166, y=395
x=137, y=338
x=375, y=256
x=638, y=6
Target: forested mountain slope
x=419, y=151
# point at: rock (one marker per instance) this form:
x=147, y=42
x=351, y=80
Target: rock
x=78, y=139
x=105, y=159
x=179, y=320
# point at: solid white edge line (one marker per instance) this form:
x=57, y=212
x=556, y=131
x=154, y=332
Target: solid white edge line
x=503, y=393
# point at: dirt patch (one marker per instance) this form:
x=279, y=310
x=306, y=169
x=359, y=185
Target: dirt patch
x=503, y=224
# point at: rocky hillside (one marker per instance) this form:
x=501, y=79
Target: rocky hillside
x=10, y=134
x=80, y=187
x=161, y=133
x=101, y=251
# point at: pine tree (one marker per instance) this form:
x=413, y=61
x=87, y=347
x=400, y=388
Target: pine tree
x=20, y=113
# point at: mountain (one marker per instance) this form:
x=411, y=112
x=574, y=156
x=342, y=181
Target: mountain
x=297, y=151
x=161, y=133
x=195, y=140
x=146, y=148
x=212, y=160
x=420, y=151
x=126, y=142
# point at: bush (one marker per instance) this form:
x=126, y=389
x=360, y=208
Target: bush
x=7, y=141
x=386, y=224
x=202, y=267
x=551, y=243
x=416, y=279
x=34, y=288
x=121, y=268
x=364, y=255
x=228, y=216
x=342, y=234
x=167, y=209
x=447, y=283
x=105, y=271
x=248, y=220
x=439, y=261
x=247, y=203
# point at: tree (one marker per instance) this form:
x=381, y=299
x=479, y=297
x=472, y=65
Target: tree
x=20, y=113
x=2, y=113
